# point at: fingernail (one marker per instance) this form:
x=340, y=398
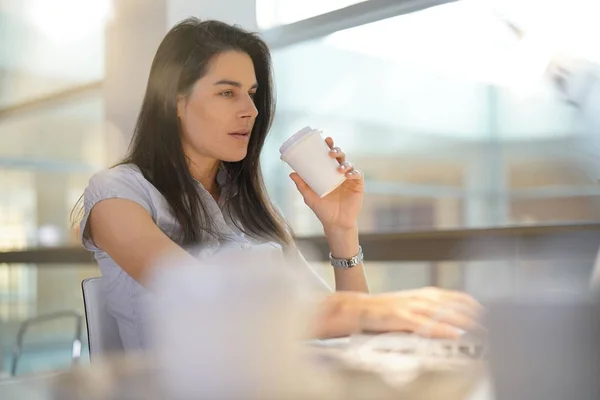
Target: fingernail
x=343, y=166
x=334, y=151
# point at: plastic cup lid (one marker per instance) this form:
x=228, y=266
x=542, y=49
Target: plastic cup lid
x=295, y=138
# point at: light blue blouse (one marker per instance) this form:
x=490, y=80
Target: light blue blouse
x=126, y=298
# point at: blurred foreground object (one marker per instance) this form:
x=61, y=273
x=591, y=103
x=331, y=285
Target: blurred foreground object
x=230, y=326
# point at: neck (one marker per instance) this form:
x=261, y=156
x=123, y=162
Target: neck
x=205, y=170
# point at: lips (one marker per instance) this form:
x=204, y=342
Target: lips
x=241, y=133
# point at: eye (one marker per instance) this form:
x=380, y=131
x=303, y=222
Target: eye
x=252, y=95
x=227, y=93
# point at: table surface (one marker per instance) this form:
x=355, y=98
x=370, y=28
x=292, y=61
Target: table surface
x=37, y=387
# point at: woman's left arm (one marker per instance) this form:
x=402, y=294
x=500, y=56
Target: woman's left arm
x=338, y=212
x=344, y=244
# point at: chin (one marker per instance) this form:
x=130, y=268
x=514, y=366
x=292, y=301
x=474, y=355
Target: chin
x=234, y=157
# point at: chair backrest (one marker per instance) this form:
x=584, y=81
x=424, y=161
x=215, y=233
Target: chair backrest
x=102, y=328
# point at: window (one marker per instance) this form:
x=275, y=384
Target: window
x=50, y=148
x=42, y=54
x=271, y=13
x=440, y=117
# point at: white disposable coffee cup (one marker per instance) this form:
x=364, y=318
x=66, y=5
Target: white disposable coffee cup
x=308, y=154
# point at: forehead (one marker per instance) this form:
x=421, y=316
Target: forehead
x=232, y=65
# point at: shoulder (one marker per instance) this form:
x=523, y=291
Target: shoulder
x=124, y=173
x=124, y=181
x=120, y=182
x=119, y=177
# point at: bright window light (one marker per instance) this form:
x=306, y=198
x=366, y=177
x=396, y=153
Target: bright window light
x=271, y=13
x=68, y=21
x=473, y=39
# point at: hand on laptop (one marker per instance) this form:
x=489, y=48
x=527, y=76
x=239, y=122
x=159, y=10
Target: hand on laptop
x=428, y=311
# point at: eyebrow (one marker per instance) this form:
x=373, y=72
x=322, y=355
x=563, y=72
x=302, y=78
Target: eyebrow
x=233, y=83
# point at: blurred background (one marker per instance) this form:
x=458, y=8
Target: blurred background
x=473, y=121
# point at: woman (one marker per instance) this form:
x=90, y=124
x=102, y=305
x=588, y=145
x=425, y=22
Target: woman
x=192, y=177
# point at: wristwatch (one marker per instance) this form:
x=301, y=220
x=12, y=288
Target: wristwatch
x=347, y=262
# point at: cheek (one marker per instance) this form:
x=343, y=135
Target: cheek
x=202, y=122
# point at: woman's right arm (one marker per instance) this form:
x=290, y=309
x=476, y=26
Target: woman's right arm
x=127, y=233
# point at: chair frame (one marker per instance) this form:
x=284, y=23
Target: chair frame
x=76, y=346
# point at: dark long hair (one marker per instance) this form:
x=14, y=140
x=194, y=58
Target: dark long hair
x=182, y=58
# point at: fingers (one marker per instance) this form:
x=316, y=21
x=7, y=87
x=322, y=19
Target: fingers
x=447, y=307
x=335, y=152
x=432, y=328
x=430, y=312
x=346, y=167
x=449, y=314
x=300, y=184
x=465, y=303
x=354, y=175
x=338, y=154
x=307, y=193
x=457, y=300
x=329, y=142
x=412, y=321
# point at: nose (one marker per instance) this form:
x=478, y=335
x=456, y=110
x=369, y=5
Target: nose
x=248, y=110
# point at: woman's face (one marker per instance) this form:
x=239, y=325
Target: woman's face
x=218, y=115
